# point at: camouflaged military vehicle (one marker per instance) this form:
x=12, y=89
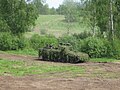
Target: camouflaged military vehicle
x=62, y=53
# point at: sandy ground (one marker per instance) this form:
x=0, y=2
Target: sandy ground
x=36, y=82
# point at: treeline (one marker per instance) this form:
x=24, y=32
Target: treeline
x=101, y=15
x=43, y=8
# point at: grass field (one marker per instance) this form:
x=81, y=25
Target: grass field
x=22, y=68
x=30, y=52
x=55, y=25
x=103, y=60
x=27, y=67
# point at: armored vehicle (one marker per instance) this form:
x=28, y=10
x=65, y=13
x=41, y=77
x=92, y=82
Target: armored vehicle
x=62, y=53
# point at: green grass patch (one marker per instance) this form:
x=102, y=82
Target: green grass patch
x=22, y=52
x=22, y=68
x=104, y=60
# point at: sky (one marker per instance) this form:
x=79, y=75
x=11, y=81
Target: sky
x=54, y=3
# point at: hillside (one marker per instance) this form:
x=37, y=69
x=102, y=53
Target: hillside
x=55, y=25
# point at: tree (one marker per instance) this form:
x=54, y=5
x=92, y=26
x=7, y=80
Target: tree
x=61, y=10
x=39, y=5
x=106, y=16
x=46, y=10
x=52, y=11
x=90, y=14
x=70, y=10
x=17, y=16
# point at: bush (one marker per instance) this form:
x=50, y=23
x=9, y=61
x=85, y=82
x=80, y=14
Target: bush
x=15, y=43
x=23, y=43
x=43, y=31
x=3, y=26
x=10, y=42
x=113, y=48
x=116, y=48
x=71, y=40
x=83, y=35
x=5, y=41
x=95, y=47
x=37, y=41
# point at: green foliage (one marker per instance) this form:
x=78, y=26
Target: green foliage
x=10, y=42
x=53, y=11
x=5, y=41
x=83, y=35
x=105, y=15
x=70, y=39
x=61, y=10
x=43, y=31
x=70, y=9
x=17, y=16
x=43, y=8
x=23, y=43
x=38, y=41
x=116, y=48
x=3, y=25
x=95, y=47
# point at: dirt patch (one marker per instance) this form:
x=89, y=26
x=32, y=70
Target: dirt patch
x=16, y=57
x=98, y=76
x=36, y=83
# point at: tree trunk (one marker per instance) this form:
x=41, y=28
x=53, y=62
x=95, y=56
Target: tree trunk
x=111, y=20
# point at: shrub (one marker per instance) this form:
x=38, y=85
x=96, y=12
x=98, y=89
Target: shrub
x=15, y=42
x=3, y=26
x=5, y=41
x=72, y=40
x=113, y=48
x=95, y=47
x=116, y=48
x=43, y=31
x=83, y=35
x=37, y=41
x=23, y=43
x=10, y=42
